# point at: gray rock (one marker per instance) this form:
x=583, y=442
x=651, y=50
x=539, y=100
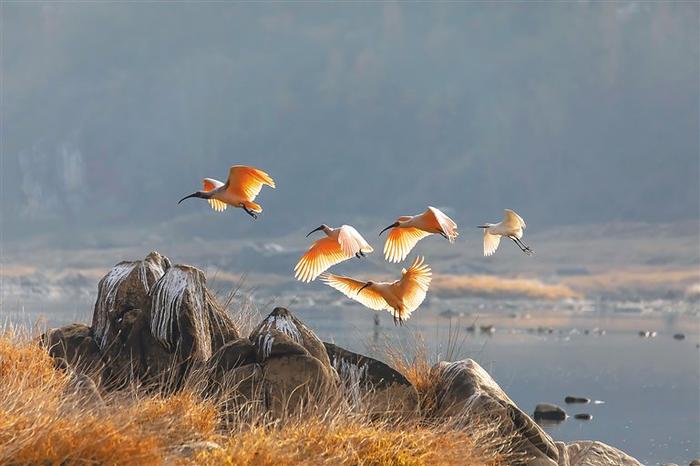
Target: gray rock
x=189, y=450
x=375, y=384
x=465, y=388
x=576, y=399
x=589, y=453
x=281, y=327
x=549, y=412
x=583, y=416
x=679, y=336
x=72, y=346
x=695, y=462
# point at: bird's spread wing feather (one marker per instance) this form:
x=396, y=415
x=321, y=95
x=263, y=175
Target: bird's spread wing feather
x=352, y=242
x=414, y=285
x=323, y=254
x=349, y=287
x=512, y=220
x=400, y=241
x=449, y=227
x=211, y=184
x=491, y=242
x=246, y=182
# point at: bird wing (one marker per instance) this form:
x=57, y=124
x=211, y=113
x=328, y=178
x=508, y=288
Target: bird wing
x=352, y=242
x=448, y=226
x=246, y=182
x=413, y=285
x=324, y=253
x=349, y=287
x=211, y=184
x=400, y=241
x=491, y=242
x=512, y=220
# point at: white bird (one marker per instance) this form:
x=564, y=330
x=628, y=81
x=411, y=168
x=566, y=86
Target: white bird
x=242, y=186
x=340, y=244
x=511, y=227
x=407, y=230
x=400, y=297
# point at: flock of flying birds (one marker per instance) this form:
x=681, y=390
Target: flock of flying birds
x=400, y=297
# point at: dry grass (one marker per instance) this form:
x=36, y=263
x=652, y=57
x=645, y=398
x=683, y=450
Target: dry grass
x=489, y=285
x=45, y=420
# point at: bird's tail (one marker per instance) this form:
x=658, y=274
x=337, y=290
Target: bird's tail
x=252, y=206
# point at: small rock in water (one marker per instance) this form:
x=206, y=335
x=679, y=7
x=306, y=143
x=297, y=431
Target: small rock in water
x=583, y=416
x=695, y=462
x=487, y=329
x=576, y=399
x=644, y=333
x=679, y=336
x=549, y=412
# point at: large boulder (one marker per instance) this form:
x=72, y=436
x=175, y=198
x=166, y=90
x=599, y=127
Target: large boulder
x=73, y=346
x=125, y=287
x=185, y=317
x=371, y=382
x=589, y=453
x=281, y=332
x=465, y=389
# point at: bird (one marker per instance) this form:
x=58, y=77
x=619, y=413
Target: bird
x=340, y=244
x=242, y=186
x=400, y=298
x=407, y=230
x=511, y=227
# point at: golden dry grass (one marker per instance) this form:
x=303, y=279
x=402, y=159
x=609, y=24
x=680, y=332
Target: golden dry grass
x=45, y=420
x=489, y=285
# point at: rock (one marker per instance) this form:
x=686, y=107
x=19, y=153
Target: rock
x=295, y=381
x=242, y=385
x=464, y=387
x=695, y=462
x=589, y=453
x=73, y=346
x=84, y=388
x=679, y=336
x=124, y=288
x=234, y=354
x=189, y=450
x=669, y=464
x=282, y=327
x=576, y=399
x=186, y=318
x=583, y=416
x=549, y=412
x=371, y=382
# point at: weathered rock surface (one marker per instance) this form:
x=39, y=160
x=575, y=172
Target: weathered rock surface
x=273, y=335
x=380, y=387
x=125, y=287
x=465, y=387
x=73, y=345
x=186, y=318
x=589, y=453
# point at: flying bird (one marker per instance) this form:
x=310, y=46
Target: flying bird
x=400, y=298
x=242, y=186
x=511, y=227
x=406, y=231
x=340, y=244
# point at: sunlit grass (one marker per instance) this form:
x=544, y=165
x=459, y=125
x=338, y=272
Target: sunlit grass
x=44, y=419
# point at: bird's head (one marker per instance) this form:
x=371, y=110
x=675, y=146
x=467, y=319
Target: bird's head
x=323, y=227
x=393, y=225
x=365, y=286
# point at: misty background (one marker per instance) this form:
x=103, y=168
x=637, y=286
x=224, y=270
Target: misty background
x=570, y=113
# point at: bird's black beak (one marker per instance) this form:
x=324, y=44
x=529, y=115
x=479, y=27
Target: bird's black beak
x=395, y=224
x=363, y=287
x=197, y=194
x=313, y=231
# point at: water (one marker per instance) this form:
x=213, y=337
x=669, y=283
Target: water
x=649, y=386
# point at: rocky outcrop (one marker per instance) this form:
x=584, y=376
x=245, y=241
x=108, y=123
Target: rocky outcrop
x=73, y=345
x=372, y=383
x=464, y=388
x=588, y=453
x=185, y=318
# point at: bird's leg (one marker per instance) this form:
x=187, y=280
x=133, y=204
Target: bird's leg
x=357, y=254
x=525, y=248
x=250, y=212
x=442, y=233
x=362, y=254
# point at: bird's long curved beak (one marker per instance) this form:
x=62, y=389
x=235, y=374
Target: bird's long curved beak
x=313, y=231
x=365, y=286
x=191, y=195
x=395, y=224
